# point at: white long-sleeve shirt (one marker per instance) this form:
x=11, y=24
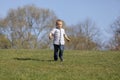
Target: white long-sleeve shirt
x=58, y=35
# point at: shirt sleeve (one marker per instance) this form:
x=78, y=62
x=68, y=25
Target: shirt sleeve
x=53, y=31
x=64, y=32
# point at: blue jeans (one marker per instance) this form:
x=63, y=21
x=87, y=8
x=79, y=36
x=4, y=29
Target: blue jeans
x=60, y=49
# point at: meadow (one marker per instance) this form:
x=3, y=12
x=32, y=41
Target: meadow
x=77, y=65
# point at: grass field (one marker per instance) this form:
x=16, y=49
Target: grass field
x=78, y=65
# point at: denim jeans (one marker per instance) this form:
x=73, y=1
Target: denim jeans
x=58, y=49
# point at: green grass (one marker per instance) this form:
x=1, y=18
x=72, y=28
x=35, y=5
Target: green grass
x=78, y=65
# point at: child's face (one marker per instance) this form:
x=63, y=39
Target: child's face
x=59, y=24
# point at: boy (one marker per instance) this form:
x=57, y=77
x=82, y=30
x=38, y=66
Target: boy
x=58, y=34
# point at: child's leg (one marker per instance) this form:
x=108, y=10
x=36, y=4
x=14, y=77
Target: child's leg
x=56, y=47
x=61, y=47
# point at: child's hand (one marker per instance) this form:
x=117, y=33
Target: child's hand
x=50, y=37
x=68, y=40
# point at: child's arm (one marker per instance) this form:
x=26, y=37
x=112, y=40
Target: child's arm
x=66, y=37
x=50, y=36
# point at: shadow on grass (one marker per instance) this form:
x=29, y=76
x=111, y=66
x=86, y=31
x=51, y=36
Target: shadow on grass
x=26, y=59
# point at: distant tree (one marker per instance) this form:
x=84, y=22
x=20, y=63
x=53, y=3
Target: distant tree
x=114, y=43
x=83, y=36
x=27, y=27
x=4, y=42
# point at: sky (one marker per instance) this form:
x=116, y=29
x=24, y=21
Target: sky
x=102, y=12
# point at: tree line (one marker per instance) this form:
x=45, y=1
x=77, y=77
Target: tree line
x=28, y=27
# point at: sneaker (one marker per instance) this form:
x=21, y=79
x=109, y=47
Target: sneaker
x=55, y=60
x=61, y=60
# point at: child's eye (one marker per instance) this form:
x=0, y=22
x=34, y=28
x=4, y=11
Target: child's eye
x=59, y=24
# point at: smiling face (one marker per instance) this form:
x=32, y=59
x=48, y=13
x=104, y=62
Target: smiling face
x=59, y=24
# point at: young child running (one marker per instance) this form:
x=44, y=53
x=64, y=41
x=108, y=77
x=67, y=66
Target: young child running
x=58, y=34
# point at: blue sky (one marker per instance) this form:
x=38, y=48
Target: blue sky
x=102, y=12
